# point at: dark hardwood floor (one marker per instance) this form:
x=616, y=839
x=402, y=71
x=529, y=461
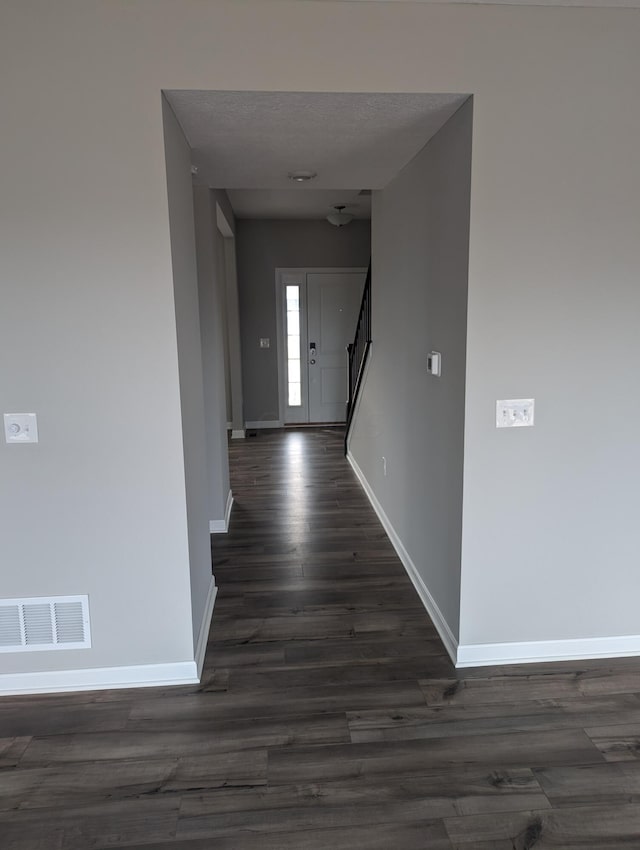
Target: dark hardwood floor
x=329, y=716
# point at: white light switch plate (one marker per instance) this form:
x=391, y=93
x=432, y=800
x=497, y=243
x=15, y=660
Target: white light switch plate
x=434, y=363
x=20, y=428
x=515, y=413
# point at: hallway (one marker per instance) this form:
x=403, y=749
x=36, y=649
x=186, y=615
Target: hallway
x=329, y=716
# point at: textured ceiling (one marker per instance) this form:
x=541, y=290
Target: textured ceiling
x=252, y=140
x=296, y=203
x=627, y=4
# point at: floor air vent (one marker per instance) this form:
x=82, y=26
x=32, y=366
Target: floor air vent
x=57, y=622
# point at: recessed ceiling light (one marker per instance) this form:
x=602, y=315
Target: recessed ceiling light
x=302, y=176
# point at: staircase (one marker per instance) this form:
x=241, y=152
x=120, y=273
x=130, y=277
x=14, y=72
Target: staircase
x=357, y=353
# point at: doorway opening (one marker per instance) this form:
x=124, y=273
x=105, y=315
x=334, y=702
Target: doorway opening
x=317, y=310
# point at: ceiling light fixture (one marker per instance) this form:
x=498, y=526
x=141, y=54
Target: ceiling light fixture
x=339, y=218
x=302, y=176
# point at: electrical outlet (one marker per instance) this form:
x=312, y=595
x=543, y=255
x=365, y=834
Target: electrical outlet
x=265, y=342
x=515, y=413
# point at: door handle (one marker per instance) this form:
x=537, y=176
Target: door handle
x=312, y=361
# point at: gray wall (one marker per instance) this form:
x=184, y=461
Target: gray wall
x=85, y=271
x=221, y=276
x=98, y=505
x=210, y=255
x=263, y=246
x=190, y=359
x=551, y=536
x=419, y=300
x=231, y=327
x=233, y=324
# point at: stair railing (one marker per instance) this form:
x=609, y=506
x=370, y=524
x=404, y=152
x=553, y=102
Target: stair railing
x=357, y=352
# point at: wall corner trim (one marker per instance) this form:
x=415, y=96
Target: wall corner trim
x=523, y=652
x=446, y=635
x=221, y=526
x=205, y=625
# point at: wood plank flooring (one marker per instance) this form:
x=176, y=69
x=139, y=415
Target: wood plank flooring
x=329, y=716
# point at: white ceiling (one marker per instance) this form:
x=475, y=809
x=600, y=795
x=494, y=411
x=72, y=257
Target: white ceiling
x=248, y=142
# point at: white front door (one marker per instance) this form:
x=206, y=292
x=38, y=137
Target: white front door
x=319, y=311
x=333, y=302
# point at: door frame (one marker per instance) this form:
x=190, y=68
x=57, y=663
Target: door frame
x=281, y=341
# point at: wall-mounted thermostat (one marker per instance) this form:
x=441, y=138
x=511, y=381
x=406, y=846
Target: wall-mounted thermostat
x=20, y=428
x=434, y=363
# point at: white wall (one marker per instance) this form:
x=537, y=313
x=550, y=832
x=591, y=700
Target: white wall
x=190, y=360
x=212, y=319
x=86, y=280
x=414, y=421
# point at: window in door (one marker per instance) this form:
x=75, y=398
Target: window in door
x=294, y=348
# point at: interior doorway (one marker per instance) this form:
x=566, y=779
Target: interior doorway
x=317, y=314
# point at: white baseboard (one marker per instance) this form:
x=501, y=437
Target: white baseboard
x=203, y=634
x=110, y=678
x=495, y=654
x=263, y=423
x=227, y=512
x=221, y=526
x=100, y=678
x=571, y=649
x=238, y=434
x=446, y=635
